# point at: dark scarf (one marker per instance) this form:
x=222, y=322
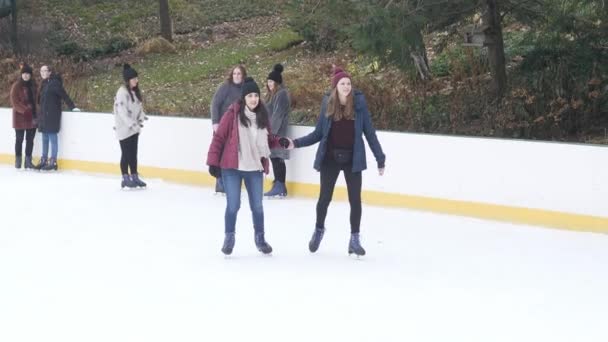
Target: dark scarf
x=30, y=95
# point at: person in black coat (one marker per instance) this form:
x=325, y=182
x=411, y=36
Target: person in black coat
x=51, y=94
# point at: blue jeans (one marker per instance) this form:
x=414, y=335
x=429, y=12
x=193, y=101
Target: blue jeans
x=45, y=145
x=233, y=179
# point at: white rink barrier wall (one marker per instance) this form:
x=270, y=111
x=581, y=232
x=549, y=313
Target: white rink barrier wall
x=540, y=183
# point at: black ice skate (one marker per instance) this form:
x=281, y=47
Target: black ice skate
x=354, y=246
x=127, y=182
x=28, y=163
x=138, y=182
x=41, y=164
x=315, y=241
x=278, y=190
x=51, y=165
x=261, y=244
x=228, y=244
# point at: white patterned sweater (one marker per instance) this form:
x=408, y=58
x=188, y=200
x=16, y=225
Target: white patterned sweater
x=128, y=114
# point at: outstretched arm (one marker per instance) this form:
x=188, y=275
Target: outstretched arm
x=316, y=135
x=60, y=90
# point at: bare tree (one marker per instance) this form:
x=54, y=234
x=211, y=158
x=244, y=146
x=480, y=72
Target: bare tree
x=496, y=49
x=166, y=29
x=14, y=25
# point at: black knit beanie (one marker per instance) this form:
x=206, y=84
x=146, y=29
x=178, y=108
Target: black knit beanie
x=26, y=69
x=128, y=72
x=249, y=86
x=275, y=74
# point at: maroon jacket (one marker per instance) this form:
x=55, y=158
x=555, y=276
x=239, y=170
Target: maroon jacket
x=224, y=149
x=22, y=109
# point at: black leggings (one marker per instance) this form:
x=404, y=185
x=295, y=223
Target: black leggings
x=279, y=169
x=330, y=171
x=128, y=158
x=29, y=141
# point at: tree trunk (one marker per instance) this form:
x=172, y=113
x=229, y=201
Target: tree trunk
x=496, y=50
x=418, y=55
x=165, y=21
x=14, y=26
x=422, y=64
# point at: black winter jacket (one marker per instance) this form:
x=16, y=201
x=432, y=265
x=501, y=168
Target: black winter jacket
x=51, y=95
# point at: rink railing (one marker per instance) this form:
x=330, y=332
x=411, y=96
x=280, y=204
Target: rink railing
x=539, y=183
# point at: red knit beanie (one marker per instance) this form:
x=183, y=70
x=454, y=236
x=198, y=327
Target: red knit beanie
x=338, y=74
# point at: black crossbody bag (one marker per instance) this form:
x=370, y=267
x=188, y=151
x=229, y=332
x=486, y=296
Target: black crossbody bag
x=342, y=156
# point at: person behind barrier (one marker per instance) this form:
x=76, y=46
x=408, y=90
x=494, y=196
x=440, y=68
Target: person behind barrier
x=23, y=101
x=225, y=96
x=52, y=94
x=278, y=104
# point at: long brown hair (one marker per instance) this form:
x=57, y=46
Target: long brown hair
x=51, y=71
x=336, y=111
x=271, y=93
x=243, y=72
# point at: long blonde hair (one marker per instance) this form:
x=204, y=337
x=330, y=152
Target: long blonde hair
x=334, y=109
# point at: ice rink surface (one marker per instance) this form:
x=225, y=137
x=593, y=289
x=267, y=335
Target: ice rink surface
x=83, y=261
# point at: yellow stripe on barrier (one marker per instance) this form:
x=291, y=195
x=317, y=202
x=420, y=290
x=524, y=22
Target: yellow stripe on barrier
x=529, y=216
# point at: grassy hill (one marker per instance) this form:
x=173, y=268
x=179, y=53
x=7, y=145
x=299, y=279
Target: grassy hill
x=93, y=22
x=210, y=38
x=89, y=40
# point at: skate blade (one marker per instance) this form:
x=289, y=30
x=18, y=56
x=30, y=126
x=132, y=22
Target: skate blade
x=355, y=256
x=265, y=254
x=277, y=197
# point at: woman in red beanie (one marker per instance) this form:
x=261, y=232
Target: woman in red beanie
x=343, y=121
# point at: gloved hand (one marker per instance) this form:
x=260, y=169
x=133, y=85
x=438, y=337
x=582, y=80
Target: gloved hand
x=284, y=142
x=215, y=171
